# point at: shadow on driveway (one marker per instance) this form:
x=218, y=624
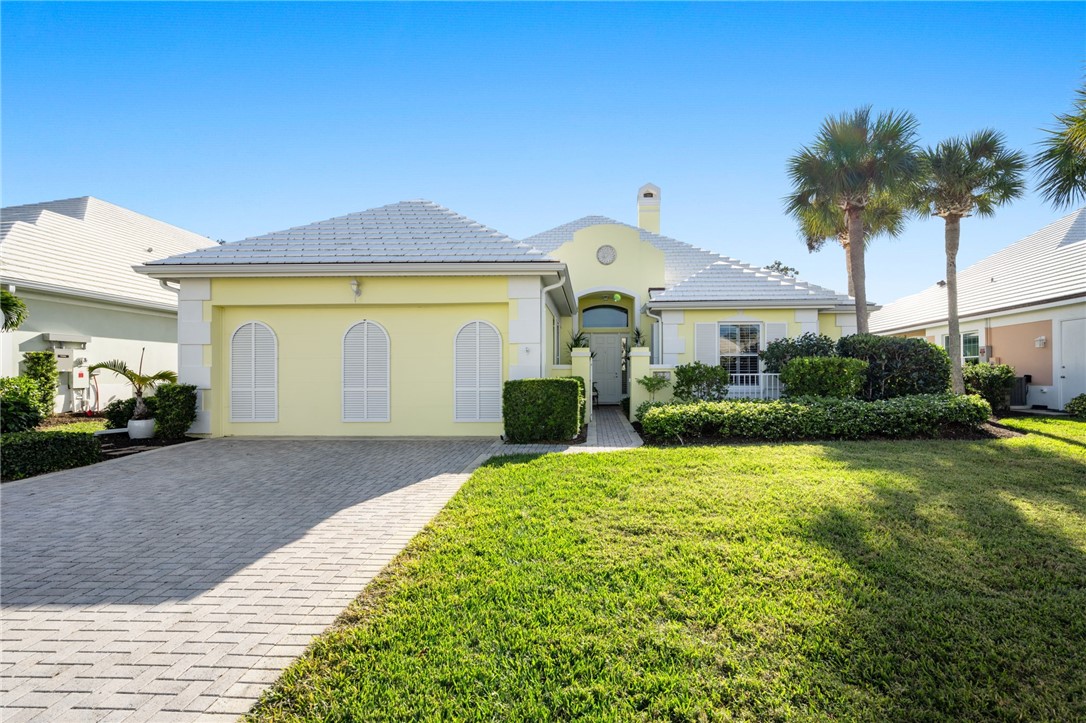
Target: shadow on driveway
x=173, y=524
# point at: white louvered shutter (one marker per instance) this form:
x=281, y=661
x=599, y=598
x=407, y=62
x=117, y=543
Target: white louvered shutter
x=775, y=331
x=478, y=373
x=707, y=343
x=253, y=374
x=366, y=396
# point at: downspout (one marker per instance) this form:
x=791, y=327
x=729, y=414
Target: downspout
x=543, y=321
x=660, y=321
x=174, y=289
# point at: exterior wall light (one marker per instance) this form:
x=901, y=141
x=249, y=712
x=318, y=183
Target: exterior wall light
x=356, y=288
x=1040, y=342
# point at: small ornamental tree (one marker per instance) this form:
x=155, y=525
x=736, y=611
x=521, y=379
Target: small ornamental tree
x=653, y=384
x=699, y=382
x=140, y=382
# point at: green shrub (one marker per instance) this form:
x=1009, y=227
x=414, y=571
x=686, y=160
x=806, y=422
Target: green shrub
x=175, y=410
x=29, y=453
x=1077, y=407
x=541, y=410
x=778, y=353
x=646, y=406
x=831, y=376
x=119, y=411
x=41, y=366
x=699, y=382
x=898, y=367
x=26, y=388
x=991, y=381
x=922, y=415
x=18, y=414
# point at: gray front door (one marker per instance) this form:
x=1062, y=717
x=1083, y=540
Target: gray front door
x=607, y=366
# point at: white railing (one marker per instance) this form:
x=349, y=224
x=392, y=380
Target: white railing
x=754, y=386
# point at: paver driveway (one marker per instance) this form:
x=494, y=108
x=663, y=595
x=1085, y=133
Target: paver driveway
x=177, y=584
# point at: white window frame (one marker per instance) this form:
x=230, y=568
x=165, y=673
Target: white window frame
x=253, y=389
x=556, y=333
x=387, y=389
x=477, y=388
x=761, y=344
x=965, y=359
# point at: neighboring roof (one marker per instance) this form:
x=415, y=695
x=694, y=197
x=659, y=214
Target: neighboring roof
x=87, y=247
x=406, y=232
x=680, y=259
x=1046, y=266
x=733, y=281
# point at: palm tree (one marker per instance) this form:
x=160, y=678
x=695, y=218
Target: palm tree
x=963, y=177
x=1061, y=162
x=883, y=216
x=14, y=309
x=138, y=380
x=855, y=158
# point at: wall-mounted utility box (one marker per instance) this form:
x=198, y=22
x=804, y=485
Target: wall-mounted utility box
x=80, y=378
x=65, y=359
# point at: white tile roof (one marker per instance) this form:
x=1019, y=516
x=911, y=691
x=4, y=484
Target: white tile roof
x=87, y=247
x=1043, y=267
x=406, y=232
x=680, y=259
x=734, y=281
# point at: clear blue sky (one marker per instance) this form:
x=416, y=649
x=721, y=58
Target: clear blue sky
x=237, y=119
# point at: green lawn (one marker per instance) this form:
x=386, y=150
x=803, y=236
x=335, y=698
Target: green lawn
x=89, y=425
x=920, y=580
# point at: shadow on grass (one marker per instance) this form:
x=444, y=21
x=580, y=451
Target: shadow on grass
x=971, y=580
x=511, y=459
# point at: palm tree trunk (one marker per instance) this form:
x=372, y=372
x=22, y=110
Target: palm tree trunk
x=954, y=343
x=848, y=265
x=859, y=274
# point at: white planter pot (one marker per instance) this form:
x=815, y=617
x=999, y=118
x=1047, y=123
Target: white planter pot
x=141, y=428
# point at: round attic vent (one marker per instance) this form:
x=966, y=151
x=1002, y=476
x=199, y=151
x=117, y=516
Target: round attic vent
x=606, y=254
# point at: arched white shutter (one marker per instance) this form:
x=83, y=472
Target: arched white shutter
x=253, y=374
x=478, y=373
x=366, y=373
x=707, y=343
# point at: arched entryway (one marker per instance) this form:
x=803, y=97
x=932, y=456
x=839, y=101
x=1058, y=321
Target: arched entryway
x=608, y=318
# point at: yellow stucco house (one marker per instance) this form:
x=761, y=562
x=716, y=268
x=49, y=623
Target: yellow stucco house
x=407, y=319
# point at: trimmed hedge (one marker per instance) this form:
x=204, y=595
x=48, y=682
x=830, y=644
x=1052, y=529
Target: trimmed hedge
x=898, y=367
x=922, y=415
x=542, y=410
x=18, y=414
x=780, y=352
x=119, y=411
x=830, y=376
x=643, y=407
x=41, y=366
x=31, y=453
x=27, y=388
x=1077, y=407
x=991, y=381
x=175, y=410
x=700, y=382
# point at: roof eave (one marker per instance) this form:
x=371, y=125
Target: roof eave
x=91, y=295
x=441, y=268
x=753, y=303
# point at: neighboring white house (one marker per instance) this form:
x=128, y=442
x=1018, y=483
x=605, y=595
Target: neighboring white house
x=71, y=262
x=1024, y=305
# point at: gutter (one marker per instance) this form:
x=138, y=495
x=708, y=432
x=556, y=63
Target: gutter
x=441, y=268
x=756, y=304
x=543, y=320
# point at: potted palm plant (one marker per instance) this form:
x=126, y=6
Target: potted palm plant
x=142, y=424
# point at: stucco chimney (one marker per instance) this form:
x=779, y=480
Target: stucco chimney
x=648, y=207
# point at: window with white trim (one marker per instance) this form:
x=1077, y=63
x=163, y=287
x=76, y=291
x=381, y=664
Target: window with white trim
x=366, y=364
x=970, y=346
x=739, y=345
x=253, y=374
x=477, y=373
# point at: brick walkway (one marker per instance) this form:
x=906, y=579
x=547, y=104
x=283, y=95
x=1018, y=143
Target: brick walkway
x=177, y=584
